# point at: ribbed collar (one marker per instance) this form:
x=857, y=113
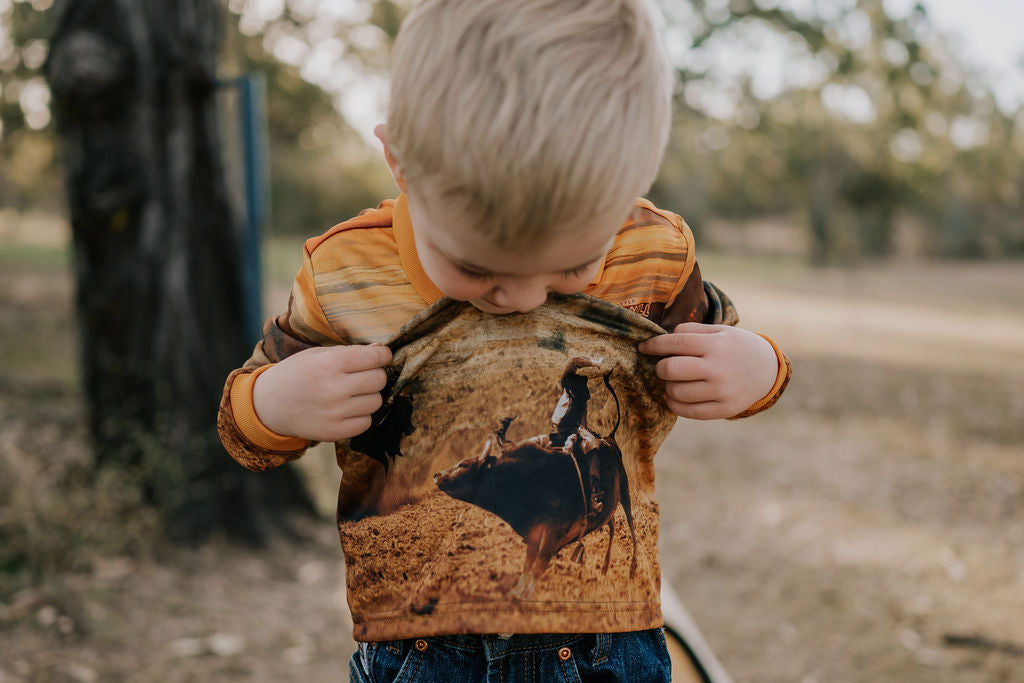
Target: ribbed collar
x=402, y=224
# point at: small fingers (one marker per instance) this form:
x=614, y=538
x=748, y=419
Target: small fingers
x=690, y=392
x=706, y=410
x=354, y=359
x=363, y=405
x=350, y=427
x=367, y=381
x=340, y=429
x=696, y=328
x=680, y=369
x=676, y=344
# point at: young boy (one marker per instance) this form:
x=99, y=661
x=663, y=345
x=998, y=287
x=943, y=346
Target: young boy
x=520, y=134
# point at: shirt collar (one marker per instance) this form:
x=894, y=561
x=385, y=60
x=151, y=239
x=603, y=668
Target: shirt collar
x=410, y=259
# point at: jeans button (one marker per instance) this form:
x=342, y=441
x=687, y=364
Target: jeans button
x=421, y=645
x=564, y=653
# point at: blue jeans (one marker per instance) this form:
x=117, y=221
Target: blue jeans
x=633, y=657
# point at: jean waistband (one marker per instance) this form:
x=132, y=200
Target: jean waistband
x=494, y=646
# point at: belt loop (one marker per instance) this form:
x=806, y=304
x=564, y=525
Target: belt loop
x=601, y=648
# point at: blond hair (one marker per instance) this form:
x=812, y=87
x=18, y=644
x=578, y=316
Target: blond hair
x=525, y=114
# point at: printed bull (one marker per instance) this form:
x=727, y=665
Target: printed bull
x=552, y=489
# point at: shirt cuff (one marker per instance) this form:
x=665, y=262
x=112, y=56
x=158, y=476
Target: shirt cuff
x=249, y=423
x=781, y=380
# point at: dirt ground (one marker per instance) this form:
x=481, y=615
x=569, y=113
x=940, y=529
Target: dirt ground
x=868, y=528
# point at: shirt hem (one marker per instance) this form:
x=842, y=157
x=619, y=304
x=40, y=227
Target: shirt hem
x=567, y=618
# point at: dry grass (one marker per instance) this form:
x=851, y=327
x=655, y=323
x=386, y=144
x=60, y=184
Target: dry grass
x=868, y=528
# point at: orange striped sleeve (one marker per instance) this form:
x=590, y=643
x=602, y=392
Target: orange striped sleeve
x=355, y=274
x=350, y=289
x=689, y=260
x=652, y=269
x=649, y=264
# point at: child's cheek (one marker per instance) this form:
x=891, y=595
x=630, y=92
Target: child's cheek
x=462, y=291
x=456, y=285
x=573, y=285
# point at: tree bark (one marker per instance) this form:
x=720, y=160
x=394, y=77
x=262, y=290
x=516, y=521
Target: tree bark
x=156, y=257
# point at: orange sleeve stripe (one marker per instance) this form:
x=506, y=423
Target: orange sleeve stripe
x=409, y=257
x=781, y=380
x=308, y=316
x=650, y=261
x=248, y=421
x=691, y=257
x=379, y=217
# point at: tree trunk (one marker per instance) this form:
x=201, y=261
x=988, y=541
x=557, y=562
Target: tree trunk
x=159, y=293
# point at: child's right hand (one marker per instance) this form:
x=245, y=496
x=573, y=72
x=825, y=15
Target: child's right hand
x=322, y=394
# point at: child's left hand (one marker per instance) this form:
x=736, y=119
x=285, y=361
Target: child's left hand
x=712, y=371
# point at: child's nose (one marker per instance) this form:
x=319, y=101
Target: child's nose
x=521, y=296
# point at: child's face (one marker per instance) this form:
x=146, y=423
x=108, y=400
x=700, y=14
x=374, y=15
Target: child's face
x=467, y=268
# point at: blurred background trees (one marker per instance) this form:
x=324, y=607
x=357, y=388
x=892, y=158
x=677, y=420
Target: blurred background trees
x=830, y=129
x=869, y=136
x=871, y=521
x=832, y=132
x=28, y=157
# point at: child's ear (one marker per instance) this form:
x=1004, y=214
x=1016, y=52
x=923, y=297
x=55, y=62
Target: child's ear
x=381, y=131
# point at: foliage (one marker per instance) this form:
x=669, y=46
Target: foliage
x=321, y=170
x=61, y=520
x=57, y=509
x=876, y=125
x=871, y=133
x=28, y=176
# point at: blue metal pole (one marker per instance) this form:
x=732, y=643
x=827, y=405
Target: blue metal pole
x=252, y=91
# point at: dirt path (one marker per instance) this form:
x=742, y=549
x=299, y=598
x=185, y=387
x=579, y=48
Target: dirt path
x=870, y=527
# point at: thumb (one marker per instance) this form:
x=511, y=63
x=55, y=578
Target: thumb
x=696, y=328
x=368, y=357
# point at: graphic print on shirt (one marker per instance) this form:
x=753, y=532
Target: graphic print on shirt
x=393, y=420
x=503, y=444
x=575, y=477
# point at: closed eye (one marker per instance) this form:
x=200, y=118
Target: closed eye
x=481, y=275
x=575, y=272
x=473, y=274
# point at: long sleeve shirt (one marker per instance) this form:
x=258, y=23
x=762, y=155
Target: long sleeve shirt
x=457, y=514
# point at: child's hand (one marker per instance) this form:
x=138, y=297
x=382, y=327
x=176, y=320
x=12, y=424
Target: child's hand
x=712, y=371
x=322, y=394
